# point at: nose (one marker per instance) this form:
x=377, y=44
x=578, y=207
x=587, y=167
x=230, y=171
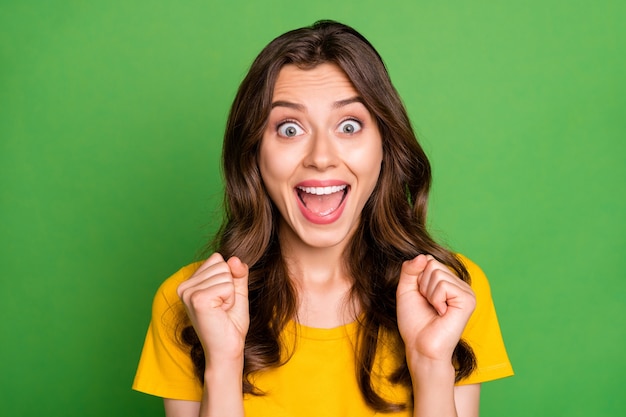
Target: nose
x=322, y=152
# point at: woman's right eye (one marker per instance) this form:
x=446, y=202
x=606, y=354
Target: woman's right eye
x=289, y=130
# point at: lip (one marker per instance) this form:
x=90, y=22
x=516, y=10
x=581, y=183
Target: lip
x=321, y=183
x=310, y=216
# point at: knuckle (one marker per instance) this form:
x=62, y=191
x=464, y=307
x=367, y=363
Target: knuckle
x=182, y=292
x=472, y=300
x=195, y=298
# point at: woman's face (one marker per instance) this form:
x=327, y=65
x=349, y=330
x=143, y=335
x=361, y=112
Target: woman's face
x=321, y=154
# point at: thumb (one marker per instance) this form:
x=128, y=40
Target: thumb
x=410, y=273
x=239, y=270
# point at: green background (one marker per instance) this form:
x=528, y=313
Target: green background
x=111, y=116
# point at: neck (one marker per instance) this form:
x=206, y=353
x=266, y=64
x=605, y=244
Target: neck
x=321, y=281
x=311, y=266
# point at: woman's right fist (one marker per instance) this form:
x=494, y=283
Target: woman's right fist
x=216, y=301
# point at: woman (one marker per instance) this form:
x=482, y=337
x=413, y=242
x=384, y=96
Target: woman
x=325, y=295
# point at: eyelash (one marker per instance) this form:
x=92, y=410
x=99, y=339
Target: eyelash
x=354, y=120
x=282, y=123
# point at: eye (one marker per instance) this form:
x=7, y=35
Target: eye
x=289, y=130
x=350, y=126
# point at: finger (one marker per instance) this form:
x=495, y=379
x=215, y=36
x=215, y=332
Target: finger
x=410, y=272
x=436, y=271
x=239, y=271
x=425, y=279
x=448, y=296
x=213, y=266
x=433, y=273
x=430, y=284
x=221, y=295
x=187, y=288
x=215, y=258
x=442, y=288
x=438, y=293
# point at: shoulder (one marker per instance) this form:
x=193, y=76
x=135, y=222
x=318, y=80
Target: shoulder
x=482, y=331
x=478, y=279
x=165, y=368
x=166, y=295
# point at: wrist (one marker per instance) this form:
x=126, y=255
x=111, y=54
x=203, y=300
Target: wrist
x=428, y=369
x=433, y=386
x=219, y=369
x=222, y=395
x=224, y=379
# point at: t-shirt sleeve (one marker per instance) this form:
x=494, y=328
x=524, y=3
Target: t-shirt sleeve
x=165, y=368
x=483, y=333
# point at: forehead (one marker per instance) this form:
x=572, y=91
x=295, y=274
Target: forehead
x=322, y=80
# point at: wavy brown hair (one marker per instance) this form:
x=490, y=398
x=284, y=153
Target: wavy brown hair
x=392, y=227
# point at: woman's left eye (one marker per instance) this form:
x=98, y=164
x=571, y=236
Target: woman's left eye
x=350, y=126
x=289, y=130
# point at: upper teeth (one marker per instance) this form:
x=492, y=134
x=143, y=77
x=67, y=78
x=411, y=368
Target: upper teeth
x=323, y=190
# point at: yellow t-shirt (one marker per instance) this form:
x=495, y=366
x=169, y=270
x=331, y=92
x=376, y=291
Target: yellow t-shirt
x=319, y=378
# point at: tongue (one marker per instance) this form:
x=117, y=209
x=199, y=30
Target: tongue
x=322, y=205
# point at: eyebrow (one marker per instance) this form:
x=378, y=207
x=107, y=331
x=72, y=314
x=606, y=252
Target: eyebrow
x=342, y=103
x=300, y=107
x=288, y=104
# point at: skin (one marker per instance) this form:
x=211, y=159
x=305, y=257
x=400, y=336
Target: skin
x=319, y=134
x=320, y=105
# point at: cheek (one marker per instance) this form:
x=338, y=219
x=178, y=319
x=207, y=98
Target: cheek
x=368, y=164
x=370, y=175
x=273, y=170
x=265, y=160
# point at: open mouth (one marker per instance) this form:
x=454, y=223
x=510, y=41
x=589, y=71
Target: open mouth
x=322, y=201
